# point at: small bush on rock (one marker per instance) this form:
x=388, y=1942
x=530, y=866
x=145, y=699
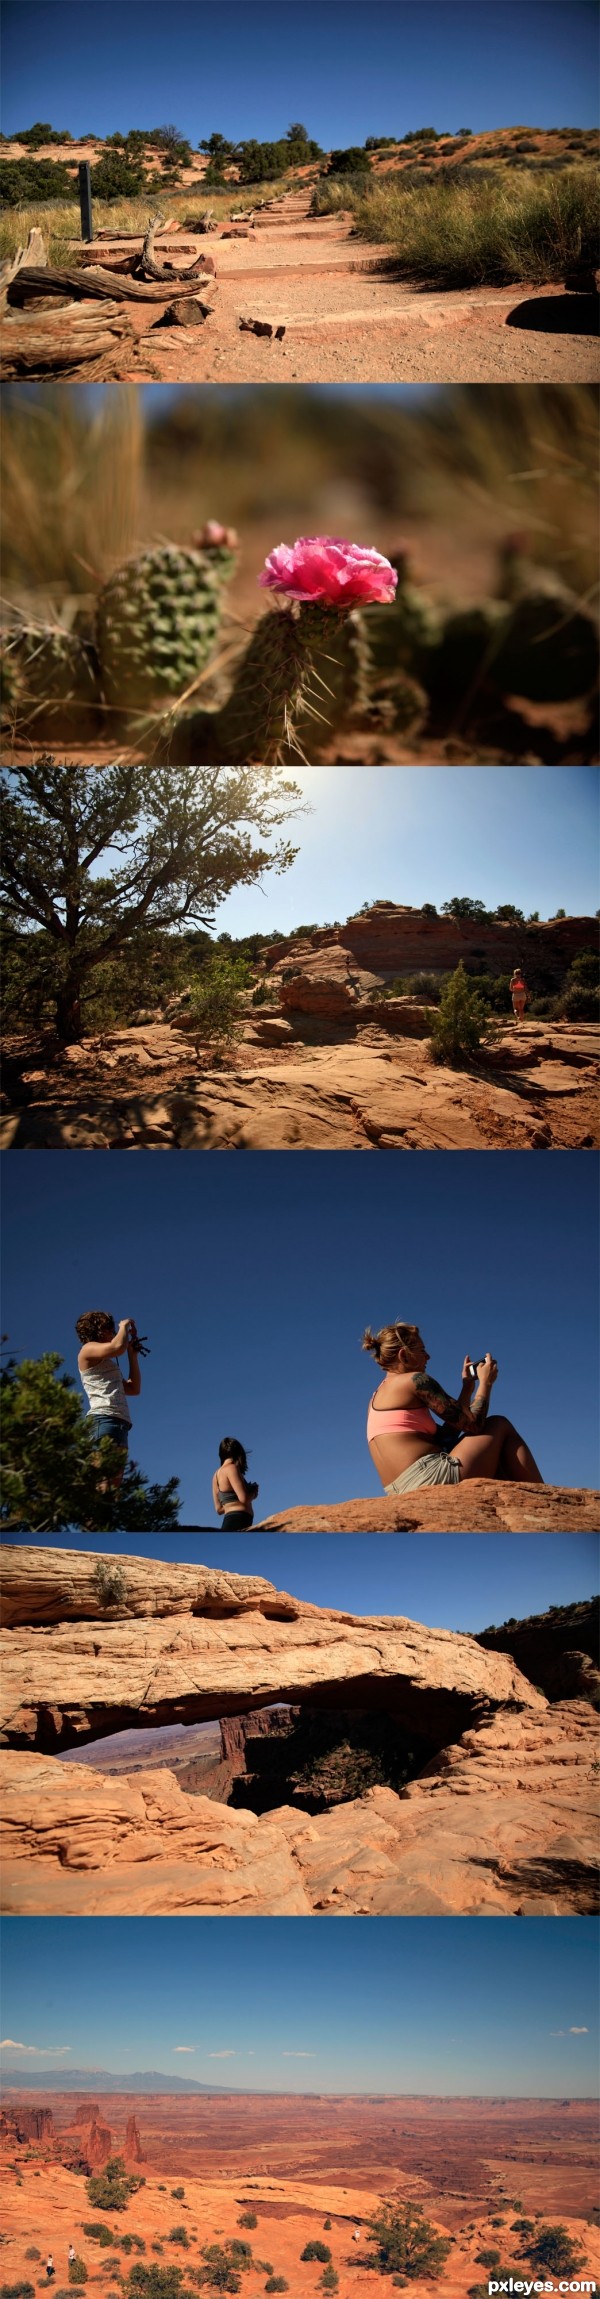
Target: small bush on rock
x=406, y=2242
x=178, y=2194
x=317, y=2250
x=554, y=2249
x=487, y=2258
x=17, y=2291
x=248, y=2219
x=277, y=2283
x=460, y=1023
x=77, y=2271
x=98, y=2231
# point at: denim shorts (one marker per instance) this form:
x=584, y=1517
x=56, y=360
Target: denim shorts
x=109, y=1425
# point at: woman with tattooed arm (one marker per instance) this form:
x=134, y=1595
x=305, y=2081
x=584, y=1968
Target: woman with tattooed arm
x=407, y=1447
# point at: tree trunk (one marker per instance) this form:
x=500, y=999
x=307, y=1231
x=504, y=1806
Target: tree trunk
x=68, y=1010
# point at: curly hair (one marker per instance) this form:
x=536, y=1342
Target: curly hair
x=384, y=1346
x=95, y=1325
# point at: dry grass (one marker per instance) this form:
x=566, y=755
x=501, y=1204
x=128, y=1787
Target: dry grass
x=70, y=486
x=448, y=233
x=59, y=221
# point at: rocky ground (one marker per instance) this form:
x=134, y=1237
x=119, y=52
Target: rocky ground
x=331, y=1079
x=480, y=1505
x=181, y=1646
x=346, y=319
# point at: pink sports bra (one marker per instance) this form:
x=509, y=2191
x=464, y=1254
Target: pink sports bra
x=411, y=1420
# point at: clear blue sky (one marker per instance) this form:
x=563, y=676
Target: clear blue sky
x=426, y=2005
x=464, y=1583
x=503, y=834
x=346, y=70
x=255, y=1277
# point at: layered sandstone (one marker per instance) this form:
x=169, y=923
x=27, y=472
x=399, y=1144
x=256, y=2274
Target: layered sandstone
x=82, y=1677
x=480, y=1505
x=503, y=1823
x=47, y=1585
x=392, y=939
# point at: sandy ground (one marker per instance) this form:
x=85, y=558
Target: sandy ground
x=147, y=1088
x=348, y=320
x=46, y=2207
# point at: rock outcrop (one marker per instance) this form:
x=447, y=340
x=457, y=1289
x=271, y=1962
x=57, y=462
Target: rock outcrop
x=40, y=1586
x=80, y=1678
x=390, y=939
x=559, y=1649
x=503, y=1824
x=133, y=2144
x=18, y=2125
x=481, y=1505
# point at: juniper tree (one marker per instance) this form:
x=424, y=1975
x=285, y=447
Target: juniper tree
x=96, y=856
x=52, y=1465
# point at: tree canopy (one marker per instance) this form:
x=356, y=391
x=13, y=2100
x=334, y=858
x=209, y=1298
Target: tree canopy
x=52, y=1466
x=96, y=856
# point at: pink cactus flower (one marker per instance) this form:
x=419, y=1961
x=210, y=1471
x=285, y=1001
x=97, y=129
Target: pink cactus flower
x=325, y=570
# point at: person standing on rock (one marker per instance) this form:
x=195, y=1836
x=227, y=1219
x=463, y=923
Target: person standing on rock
x=406, y=1447
x=519, y=993
x=232, y=1494
x=102, y=1343
x=50, y=2268
x=72, y=2254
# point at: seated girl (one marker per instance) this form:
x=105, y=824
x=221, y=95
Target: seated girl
x=407, y=1447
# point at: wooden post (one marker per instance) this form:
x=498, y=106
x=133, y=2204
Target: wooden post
x=85, y=200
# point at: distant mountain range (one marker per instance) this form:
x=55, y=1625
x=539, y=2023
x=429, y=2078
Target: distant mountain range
x=100, y=2079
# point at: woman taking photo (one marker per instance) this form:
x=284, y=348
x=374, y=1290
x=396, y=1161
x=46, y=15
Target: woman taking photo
x=406, y=1446
x=232, y=1494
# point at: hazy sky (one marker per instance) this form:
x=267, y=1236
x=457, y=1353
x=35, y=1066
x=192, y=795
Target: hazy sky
x=431, y=2005
x=422, y=834
x=254, y=1278
x=346, y=70
x=466, y=1582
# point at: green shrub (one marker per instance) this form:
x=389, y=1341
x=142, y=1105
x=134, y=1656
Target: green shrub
x=316, y=2250
x=77, y=2271
x=277, y=2283
x=112, y=2188
x=179, y=2235
x=178, y=2194
x=17, y=2290
x=487, y=2258
x=553, y=2249
x=156, y=2283
x=221, y=2271
x=98, y=2231
x=406, y=2242
x=459, y=234
x=130, y=2242
x=327, y=2225
x=248, y=2219
x=114, y=178
x=216, y=1002
x=460, y=1022
x=329, y=2280
x=26, y=183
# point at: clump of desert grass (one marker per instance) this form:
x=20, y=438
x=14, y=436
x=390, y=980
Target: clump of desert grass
x=70, y=470
x=506, y=228
x=58, y=220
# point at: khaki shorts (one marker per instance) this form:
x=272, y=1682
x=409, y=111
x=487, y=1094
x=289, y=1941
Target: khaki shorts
x=431, y=1469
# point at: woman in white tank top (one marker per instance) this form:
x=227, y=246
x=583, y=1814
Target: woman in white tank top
x=100, y=1374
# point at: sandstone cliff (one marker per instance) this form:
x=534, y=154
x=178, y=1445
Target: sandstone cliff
x=391, y=939
x=79, y=1842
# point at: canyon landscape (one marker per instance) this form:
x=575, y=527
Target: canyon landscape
x=334, y=1052
x=363, y=1766
x=283, y=2172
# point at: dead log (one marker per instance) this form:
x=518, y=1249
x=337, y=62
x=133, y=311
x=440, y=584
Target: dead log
x=33, y=253
x=147, y=268
x=53, y=341
x=90, y=282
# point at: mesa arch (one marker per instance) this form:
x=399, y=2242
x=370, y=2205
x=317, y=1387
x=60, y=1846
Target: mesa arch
x=172, y=1649
x=501, y=1820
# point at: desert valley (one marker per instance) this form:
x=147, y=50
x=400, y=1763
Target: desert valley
x=301, y=2168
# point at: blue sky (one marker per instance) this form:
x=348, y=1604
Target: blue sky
x=426, y=2005
x=345, y=70
x=255, y=1277
x=463, y=1583
x=503, y=834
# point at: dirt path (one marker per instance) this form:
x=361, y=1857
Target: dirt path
x=346, y=321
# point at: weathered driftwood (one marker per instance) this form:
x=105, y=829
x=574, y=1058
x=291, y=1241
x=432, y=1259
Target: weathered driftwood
x=34, y=343
x=91, y=282
x=33, y=253
x=147, y=268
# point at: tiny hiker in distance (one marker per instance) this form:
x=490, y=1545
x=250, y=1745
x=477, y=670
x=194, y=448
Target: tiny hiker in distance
x=519, y=993
x=102, y=1343
x=232, y=1494
x=406, y=1446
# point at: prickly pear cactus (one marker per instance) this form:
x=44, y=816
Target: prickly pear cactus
x=157, y=623
x=296, y=678
x=54, y=679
